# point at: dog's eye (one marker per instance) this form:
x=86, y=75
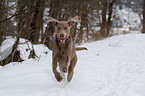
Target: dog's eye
x=65, y=28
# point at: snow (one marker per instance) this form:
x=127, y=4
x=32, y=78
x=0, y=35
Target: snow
x=6, y=53
x=111, y=67
x=130, y=17
x=6, y=48
x=6, y=43
x=127, y=18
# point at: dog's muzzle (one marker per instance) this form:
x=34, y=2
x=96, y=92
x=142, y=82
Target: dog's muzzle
x=61, y=38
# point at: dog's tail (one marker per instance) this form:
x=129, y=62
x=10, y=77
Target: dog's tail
x=81, y=48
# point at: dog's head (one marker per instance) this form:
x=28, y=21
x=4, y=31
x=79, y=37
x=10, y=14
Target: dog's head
x=62, y=28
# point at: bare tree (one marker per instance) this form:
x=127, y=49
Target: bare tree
x=107, y=7
x=33, y=18
x=109, y=17
x=2, y=15
x=36, y=21
x=84, y=19
x=15, y=54
x=143, y=31
x=104, y=13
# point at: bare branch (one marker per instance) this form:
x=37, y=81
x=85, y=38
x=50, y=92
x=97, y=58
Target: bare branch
x=8, y=18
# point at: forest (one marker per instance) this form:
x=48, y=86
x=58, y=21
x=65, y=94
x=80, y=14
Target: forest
x=99, y=19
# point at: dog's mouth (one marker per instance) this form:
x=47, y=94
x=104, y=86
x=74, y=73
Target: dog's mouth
x=62, y=39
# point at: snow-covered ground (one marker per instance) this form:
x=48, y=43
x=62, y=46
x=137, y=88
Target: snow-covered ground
x=111, y=67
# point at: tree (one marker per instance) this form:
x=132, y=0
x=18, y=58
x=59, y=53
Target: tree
x=104, y=12
x=15, y=54
x=106, y=22
x=32, y=17
x=109, y=17
x=2, y=15
x=84, y=19
x=143, y=31
x=36, y=21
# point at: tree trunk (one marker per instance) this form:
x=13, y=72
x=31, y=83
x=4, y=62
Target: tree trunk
x=34, y=25
x=2, y=8
x=143, y=31
x=42, y=7
x=33, y=20
x=81, y=34
x=84, y=17
x=1, y=16
x=104, y=12
x=109, y=17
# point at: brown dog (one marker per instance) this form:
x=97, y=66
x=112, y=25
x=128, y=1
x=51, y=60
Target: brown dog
x=64, y=51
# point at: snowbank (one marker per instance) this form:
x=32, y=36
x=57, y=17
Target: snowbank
x=111, y=67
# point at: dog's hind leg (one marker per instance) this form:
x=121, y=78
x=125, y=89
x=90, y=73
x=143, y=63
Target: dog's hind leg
x=71, y=68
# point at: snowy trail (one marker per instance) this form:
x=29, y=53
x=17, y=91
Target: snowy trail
x=112, y=67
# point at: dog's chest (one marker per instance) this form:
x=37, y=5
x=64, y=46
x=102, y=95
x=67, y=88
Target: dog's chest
x=62, y=55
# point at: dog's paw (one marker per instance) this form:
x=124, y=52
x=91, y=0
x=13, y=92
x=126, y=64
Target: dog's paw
x=59, y=78
x=64, y=70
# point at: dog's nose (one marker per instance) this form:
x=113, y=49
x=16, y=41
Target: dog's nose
x=61, y=35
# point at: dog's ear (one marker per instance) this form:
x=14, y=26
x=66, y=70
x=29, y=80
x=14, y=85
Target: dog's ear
x=72, y=21
x=54, y=21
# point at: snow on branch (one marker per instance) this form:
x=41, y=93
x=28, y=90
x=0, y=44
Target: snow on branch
x=6, y=53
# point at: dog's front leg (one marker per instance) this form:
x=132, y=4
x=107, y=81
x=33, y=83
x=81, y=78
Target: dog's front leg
x=65, y=67
x=62, y=74
x=56, y=73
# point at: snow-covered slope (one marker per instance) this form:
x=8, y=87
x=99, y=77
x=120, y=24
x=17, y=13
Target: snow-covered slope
x=111, y=67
